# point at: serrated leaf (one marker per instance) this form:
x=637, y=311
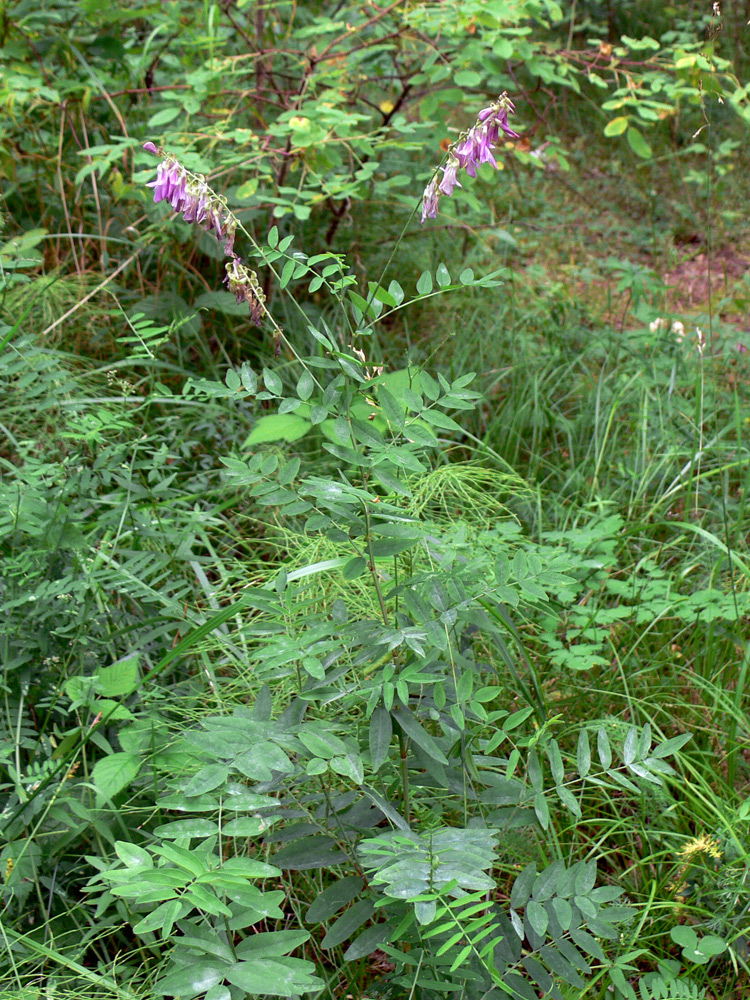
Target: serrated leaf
x=114, y=773
x=119, y=679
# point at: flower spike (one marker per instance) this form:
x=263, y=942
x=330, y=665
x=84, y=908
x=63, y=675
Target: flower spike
x=472, y=149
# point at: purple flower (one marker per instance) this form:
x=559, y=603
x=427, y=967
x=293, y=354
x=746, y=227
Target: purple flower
x=430, y=200
x=190, y=195
x=450, y=175
x=150, y=147
x=497, y=115
x=476, y=146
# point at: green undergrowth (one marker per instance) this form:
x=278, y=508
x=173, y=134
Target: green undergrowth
x=393, y=647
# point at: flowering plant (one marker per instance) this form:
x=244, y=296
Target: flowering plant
x=190, y=195
x=472, y=149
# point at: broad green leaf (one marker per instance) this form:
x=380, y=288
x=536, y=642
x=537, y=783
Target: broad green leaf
x=305, y=385
x=638, y=144
x=555, y=762
x=162, y=918
x=522, y=886
x=630, y=747
x=132, y=855
x=541, y=808
x=309, y=852
x=278, y=427
x=350, y=766
x=393, y=410
x=441, y=420
x=424, y=284
x=332, y=899
x=321, y=744
x=603, y=748
x=264, y=758
x=195, y=827
x=442, y=275
x=244, y=826
x=272, y=382
x=278, y=977
x=114, y=773
x=207, y=779
x=368, y=941
x=617, y=126
x=415, y=731
x=380, y=734
x=119, y=679
x=165, y=116
x=348, y=923
x=188, y=982
x=537, y=916
x=429, y=386
x=271, y=944
x=395, y=290
x=671, y=746
x=219, y=992
x=583, y=753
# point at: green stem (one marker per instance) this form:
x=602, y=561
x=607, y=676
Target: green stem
x=373, y=570
x=404, y=778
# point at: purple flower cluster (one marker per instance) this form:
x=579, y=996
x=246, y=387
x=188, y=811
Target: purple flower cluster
x=244, y=285
x=190, y=195
x=472, y=150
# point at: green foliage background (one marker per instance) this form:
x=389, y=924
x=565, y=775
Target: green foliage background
x=396, y=648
